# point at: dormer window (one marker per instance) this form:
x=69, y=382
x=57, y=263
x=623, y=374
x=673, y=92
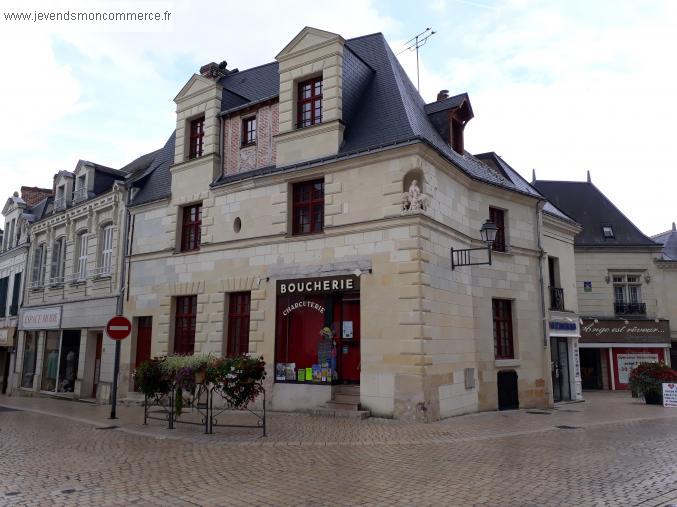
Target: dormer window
x=80, y=192
x=309, y=103
x=607, y=232
x=60, y=199
x=196, y=141
x=249, y=131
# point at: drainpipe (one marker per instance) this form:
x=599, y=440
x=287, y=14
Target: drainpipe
x=120, y=300
x=547, y=375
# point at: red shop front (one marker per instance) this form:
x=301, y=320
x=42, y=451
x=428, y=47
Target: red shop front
x=317, y=338
x=610, y=348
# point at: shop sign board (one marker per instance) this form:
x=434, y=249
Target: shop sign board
x=669, y=395
x=322, y=285
x=626, y=362
x=618, y=331
x=41, y=318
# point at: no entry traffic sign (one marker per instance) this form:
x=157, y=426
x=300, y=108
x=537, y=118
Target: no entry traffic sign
x=118, y=328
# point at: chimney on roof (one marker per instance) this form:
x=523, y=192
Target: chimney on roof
x=442, y=94
x=214, y=70
x=33, y=195
x=673, y=227
x=589, y=180
x=533, y=176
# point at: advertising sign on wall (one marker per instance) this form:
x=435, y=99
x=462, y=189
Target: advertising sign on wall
x=620, y=330
x=626, y=362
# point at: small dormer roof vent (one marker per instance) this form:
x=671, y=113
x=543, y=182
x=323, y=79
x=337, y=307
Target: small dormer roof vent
x=214, y=70
x=442, y=94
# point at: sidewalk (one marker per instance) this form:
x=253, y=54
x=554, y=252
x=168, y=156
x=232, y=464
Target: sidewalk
x=301, y=429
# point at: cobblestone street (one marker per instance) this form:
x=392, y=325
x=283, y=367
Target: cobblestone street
x=611, y=450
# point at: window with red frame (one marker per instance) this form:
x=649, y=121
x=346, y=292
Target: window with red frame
x=503, y=338
x=308, y=207
x=197, y=134
x=191, y=228
x=238, y=323
x=184, y=326
x=497, y=216
x=309, y=103
x=249, y=131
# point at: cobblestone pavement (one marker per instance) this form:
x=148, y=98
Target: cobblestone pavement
x=611, y=450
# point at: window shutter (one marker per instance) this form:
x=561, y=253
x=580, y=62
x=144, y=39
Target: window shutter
x=3, y=296
x=16, y=292
x=81, y=267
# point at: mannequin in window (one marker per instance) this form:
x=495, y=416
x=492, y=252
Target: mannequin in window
x=71, y=369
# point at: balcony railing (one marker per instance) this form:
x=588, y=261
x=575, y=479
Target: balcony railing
x=629, y=308
x=557, y=298
x=59, y=204
x=80, y=194
x=102, y=272
x=37, y=284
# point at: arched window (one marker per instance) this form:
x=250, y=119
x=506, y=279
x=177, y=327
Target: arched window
x=39, y=266
x=106, y=250
x=80, y=264
x=58, y=261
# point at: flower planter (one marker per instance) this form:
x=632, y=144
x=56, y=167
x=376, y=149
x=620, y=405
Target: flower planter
x=653, y=398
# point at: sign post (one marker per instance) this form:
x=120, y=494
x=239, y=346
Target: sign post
x=118, y=328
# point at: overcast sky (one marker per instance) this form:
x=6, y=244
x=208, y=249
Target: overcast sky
x=560, y=87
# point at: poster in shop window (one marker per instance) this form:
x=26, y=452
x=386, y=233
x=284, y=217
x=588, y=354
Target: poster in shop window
x=669, y=395
x=626, y=362
x=347, y=329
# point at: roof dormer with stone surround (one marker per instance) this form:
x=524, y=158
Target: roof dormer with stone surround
x=197, y=129
x=312, y=56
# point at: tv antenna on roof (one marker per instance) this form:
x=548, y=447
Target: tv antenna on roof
x=413, y=44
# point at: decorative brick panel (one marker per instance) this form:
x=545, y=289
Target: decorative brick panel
x=238, y=159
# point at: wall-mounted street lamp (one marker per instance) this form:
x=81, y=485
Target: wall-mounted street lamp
x=462, y=257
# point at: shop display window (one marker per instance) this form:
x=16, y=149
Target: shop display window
x=50, y=361
x=29, y=360
x=317, y=338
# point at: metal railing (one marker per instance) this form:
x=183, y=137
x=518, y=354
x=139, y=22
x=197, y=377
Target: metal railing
x=621, y=308
x=102, y=272
x=80, y=194
x=557, y=298
x=37, y=284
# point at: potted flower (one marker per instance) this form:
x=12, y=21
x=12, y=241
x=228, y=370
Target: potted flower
x=646, y=380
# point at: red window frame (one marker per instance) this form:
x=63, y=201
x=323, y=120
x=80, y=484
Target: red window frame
x=503, y=332
x=196, y=141
x=239, y=304
x=191, y=228
x=308, y=207
x=249, y=131
x=184, y=325
x=497, y=216
x=309, y=103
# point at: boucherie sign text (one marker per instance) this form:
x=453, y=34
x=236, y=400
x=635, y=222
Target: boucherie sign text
x=41, y=318
x=618, y=331
x=318, y=285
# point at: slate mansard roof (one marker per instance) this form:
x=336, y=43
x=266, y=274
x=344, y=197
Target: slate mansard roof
x=381, y=108
x=669, y=241
x=584, y=202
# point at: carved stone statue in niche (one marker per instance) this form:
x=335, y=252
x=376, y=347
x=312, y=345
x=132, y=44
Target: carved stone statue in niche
x=413, y=199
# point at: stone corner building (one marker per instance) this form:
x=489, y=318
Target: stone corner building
x=305, y=209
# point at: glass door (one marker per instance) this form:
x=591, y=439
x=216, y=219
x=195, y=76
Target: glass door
x=559, y=354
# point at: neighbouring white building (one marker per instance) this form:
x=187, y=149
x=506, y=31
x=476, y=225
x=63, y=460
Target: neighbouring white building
x=73, y=284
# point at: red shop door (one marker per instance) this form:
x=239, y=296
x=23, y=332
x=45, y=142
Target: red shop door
x=144, y=331
x=349, y=341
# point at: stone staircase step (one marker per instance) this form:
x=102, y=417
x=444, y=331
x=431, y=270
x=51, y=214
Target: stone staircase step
x=346, y=389
x=330, y=412
x=337, y=405
x=346, y=398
